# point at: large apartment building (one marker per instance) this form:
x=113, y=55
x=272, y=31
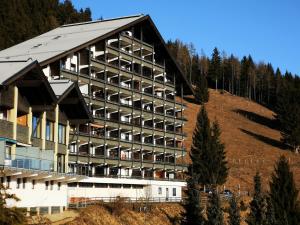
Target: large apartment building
x=129, y=82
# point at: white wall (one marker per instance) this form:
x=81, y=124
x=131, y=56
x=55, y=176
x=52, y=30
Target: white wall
x=39, y=196
x=150, y=189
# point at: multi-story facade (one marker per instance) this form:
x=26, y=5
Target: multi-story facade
x=35, y=120
x=129, y=82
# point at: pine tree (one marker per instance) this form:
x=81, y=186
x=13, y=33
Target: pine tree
x=219, y=172
x=193, y=210
x=201, y=91
x=201, y=140
x=234, y=212
x=288, y=115
x=283, y=194
x=9, y=215
x=214, y=71
x=258, y=207
x=207, y=152
x=214, y=210
x=270, y=214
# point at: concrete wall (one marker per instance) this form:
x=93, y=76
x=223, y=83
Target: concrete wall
x=39, y=196
x=150, y=189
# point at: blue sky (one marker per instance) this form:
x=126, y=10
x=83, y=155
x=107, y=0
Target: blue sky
x=269, y=30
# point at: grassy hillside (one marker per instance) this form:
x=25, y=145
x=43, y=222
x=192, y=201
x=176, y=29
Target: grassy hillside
x=250, y=134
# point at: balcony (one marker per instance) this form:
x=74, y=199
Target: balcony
x=6, y=129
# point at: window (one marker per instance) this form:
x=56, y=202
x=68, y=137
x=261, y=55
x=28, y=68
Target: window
x=51, y=185
x=2, y=180
x=49, y=130
x=127, y=186
x=58, y=185
x=61, y=134
x=36, y=127
x=3, y=114
x=18, y=182
x=60, y=163
x=46, y=185
x=8, y=179
x=159, y=190
x=174, y=191
x=8, y=152
x=33, y=184
x=24, y=183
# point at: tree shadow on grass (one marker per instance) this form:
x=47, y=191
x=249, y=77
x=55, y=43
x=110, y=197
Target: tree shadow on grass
x=190, y=99
x=271, y=123
x=267, y=140
x=174, y=220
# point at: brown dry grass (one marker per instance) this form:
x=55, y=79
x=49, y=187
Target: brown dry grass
x=160, y=214
x=252, y=143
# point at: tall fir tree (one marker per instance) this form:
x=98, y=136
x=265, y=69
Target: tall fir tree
x=288, y=115
x=201, y=90
x=214, y=211
x=219, y=172
x=270, y=214
x=207, y=152
x=193, y=214
x=234, y=212
x=214, y=71
x=258, y=207
x=284, y=194
x=200, y=144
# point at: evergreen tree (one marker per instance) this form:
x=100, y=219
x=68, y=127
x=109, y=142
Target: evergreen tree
x=21, y=20
x=214, y=71
x=200, y=144
x=193, y=210
x=9, y=215
x=270, y=214
x=219, y=171
x=207, y=152
x=234, y=212
x=258, y=207
x=214, y=210
x=201, y=91
x=288, y=115
x=283, y=194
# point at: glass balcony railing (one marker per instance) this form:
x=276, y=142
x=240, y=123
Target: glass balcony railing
x=30, y=163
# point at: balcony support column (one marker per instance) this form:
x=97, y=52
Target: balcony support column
x=55, y=138
x=29, y=123
x=13, y=114
x=67, y=144
x=43, y=130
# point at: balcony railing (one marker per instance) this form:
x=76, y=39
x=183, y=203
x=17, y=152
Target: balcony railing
x=19, y=161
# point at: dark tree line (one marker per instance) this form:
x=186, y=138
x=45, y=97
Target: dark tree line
x=23, y=19
x=244, y=77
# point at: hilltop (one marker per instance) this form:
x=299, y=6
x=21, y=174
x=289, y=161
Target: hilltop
x=250, y=134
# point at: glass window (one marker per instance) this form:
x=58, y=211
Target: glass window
x=174, y=191
x=7, y=152
x=36, y=127
x=58, y=185
x=46, y=185
x=49, y=130
x=24, y=183
x=18, y=182
x=33, y=183
x=61, y=134
x=8, y=179
x=3, y=114
x=159, y=190
x=51, y=185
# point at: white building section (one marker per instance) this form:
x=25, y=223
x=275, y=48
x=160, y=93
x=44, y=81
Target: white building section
x=107, y=189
